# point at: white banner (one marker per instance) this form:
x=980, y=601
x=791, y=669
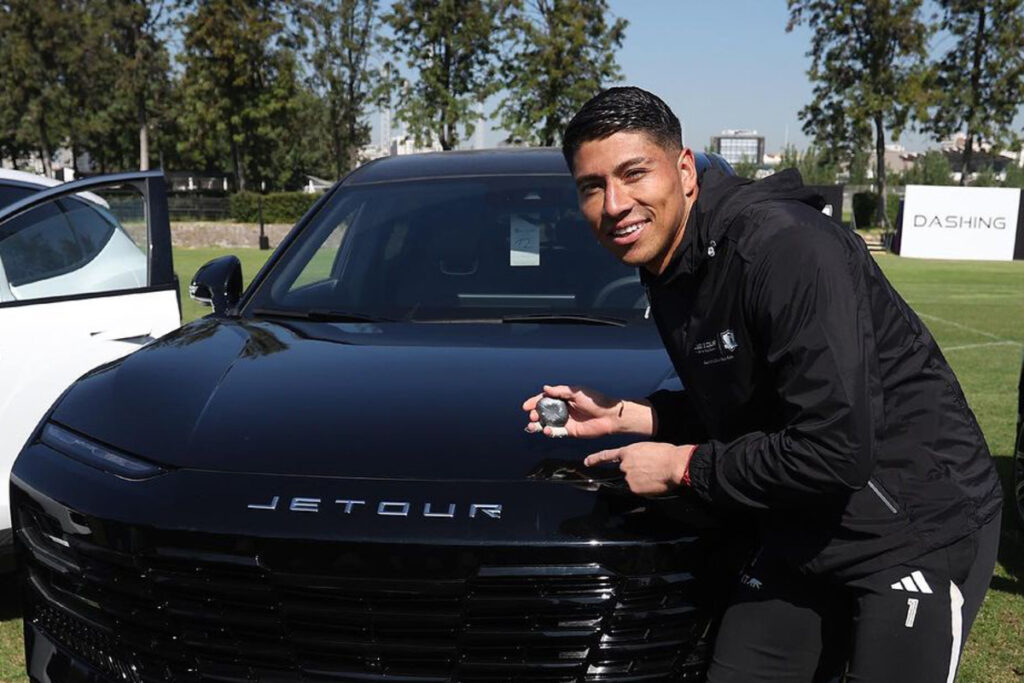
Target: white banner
x=974, y=223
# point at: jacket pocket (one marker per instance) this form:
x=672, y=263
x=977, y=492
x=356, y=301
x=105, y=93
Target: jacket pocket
x=884, y=496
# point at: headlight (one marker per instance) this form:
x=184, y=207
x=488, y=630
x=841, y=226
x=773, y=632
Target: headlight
x=97, y=455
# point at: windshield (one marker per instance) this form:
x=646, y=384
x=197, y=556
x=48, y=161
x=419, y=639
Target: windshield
x=495, y=249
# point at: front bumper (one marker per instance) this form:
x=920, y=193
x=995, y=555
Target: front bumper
x=178, y=578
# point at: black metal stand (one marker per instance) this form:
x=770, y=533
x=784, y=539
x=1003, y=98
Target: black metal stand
x=264, y=240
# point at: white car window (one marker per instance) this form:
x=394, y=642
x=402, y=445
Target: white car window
x=75, y=245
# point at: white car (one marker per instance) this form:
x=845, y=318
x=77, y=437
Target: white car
x=85, y=278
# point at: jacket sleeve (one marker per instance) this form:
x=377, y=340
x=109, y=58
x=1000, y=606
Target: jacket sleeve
x=807, y=303
x=675, y=420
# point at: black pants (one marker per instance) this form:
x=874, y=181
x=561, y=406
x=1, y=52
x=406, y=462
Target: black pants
x=905, y=624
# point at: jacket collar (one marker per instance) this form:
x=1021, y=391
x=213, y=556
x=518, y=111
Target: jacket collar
x=704, y=227
x=721, y=198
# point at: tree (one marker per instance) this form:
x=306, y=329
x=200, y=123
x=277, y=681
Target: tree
x=14, y=142
x=451, y=47
x=931, y=168
x=979, y=81
x=142, y=63
x=84, y=70
x=867, y=61
x=239, y=90
x=563, y=53
x=33, y=57
x=343, y=36
x=858, y=166
x=1014, y=176
x=815, y=167
x=746, y=168
x=986, y=177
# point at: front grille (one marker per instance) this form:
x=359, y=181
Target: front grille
x=191, y=614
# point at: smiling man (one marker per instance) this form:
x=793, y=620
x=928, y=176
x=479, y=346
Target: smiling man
x=816, y=405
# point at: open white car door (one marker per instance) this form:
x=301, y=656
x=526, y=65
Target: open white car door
x=85, y=277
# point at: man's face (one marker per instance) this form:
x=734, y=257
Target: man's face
x=636, y=196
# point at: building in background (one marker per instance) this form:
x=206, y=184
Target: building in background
x=739, y=145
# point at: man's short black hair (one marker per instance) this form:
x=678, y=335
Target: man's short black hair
x=622, y=109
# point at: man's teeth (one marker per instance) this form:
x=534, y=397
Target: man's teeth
x=622, y=232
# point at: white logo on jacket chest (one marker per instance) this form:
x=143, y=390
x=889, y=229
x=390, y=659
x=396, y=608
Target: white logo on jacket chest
x=729, y=342
x=717, y=350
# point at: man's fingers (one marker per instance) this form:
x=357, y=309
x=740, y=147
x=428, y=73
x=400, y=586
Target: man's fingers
x=558, y=391
x=531, y=403
x=551, y=432
x=613, y=455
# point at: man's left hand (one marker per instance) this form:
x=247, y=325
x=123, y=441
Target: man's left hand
x=651, y=468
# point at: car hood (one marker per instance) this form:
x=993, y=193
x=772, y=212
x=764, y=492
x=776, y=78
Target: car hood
x=411, y=401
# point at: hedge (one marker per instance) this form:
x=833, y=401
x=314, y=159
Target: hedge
x=892, y=209
x=864, y=206
x=278, y=207
x=866, y=203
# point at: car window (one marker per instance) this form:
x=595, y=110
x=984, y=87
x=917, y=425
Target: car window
x=75, y=245
x=12, y=193
x=320, y=266
x=38, y=245
x=443, y=249
x=91, y=227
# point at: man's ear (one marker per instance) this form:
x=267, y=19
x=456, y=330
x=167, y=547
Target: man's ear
x=686, y=165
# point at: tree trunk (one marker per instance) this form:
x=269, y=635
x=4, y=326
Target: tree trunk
x=143, y=147
x=447, y=119
x=352, y=150
x=336, y=141
x=44, y=148
x=881, y=216
x=140, y=106
x=236, y=161
x=965, y=168
x=548, y=136
x=979, y=43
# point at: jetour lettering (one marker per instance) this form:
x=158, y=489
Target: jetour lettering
x=385, y=508
x=954, y=222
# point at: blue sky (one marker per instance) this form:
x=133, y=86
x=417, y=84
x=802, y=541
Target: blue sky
x=719, y=64
x=723, y=64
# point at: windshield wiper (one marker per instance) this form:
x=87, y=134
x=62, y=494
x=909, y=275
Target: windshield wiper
x=564, y=318
x=320, y=315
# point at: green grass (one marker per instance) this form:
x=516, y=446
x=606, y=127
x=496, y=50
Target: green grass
x=976, y=312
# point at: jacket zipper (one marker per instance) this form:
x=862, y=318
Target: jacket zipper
x=647, y=295
x=882, y=497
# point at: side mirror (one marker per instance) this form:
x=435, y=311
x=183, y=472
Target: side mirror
x=218, y=283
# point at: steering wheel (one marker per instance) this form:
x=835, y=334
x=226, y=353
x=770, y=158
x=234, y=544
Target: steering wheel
x=623, y=282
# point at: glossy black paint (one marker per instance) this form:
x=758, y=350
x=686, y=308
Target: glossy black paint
x=509, y=161
x=315, y=471
x=218, y=283
x=151, y=574
x=392, y=400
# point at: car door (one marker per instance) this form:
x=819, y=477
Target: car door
x=86, y=276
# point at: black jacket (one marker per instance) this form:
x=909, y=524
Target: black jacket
x=818, y=400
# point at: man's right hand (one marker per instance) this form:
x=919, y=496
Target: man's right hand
x=592, y=414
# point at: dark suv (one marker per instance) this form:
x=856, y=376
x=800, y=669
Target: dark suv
x=328, y=478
